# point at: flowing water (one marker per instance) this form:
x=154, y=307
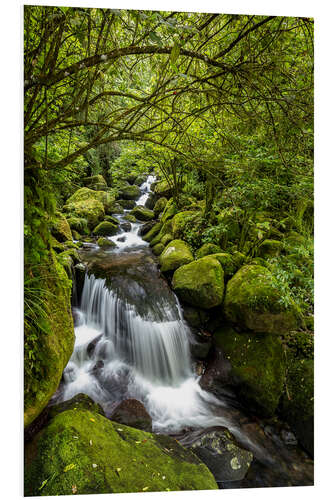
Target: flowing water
x=131, y=341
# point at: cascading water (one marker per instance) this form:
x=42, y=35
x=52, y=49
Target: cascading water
x=132, y=341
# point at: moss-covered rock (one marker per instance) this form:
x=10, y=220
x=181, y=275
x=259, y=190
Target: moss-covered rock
x=91, y=209
x=129, y=192
x=61, y=229
x=166, y=238
x=142, y=213
x=78, y=402
x=68, y=259
x=158, y=249
x=159, y=206
x=176, y=254
x=78, y=224
x=258, y=261
x=130, y=177
x=55, y=345
x=227, y=262
x=270, y=248
x=258, y=367
x=200, y=283
x=85, y=194
x=95, y=182
x=110, y=218
x=208, y=249
x=253, y=301
x=105, y=243
x=165, y=229
x=297, y=403
x=180, y=220
x=130, y=218
x=82, y=452
x=239, y=258
x=106, y=228
x=140, y=179
x=128, y=204
x=152, y=232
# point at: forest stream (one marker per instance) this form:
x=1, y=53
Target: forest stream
x=132, y=342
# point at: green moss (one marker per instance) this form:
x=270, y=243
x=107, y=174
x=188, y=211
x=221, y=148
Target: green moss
x=130, y=218
x=106, y=229
x=297, y=406
x=258, y=367
x=90, y=209
x=169, y=211
x=96, y=182
x=258, y=261
x=105, y=243
x=179, y=222
x=270, y=248
x=200, y=283
x=140, y=179
x=162, y=188
x=165, y=229
x=253, y=301
x=166, y=239
x=55, y=344
x=61, y=229
x=109, y=218
x=85, y=194
x=142, y=213
x=152, y=232
x=160, y=206
x=227, y=262
x=208, y=249
x=176, y=254
x=239, y=258
x=158, y=249
x=78, y=224
x=130, y=192
x=300, y=344
x=83, y=449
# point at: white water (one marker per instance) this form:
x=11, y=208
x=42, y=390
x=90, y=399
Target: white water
x=120, y=353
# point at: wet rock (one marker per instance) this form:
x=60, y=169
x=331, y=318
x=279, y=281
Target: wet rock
x=79, y=402
x=146, y=227
x=155, y=229
x=127, y=204
x=142, y=213
x=105, y=243
x=217, y=374
x=126, y=226
x=151, y=200
x=121, y=239
x=130, y=193
x=218, y=449
x=195, y=317
x=200, y=347
x=133, y=413
x=106, y=229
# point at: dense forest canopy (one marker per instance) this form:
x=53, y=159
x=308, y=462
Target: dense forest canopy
x=220, y=106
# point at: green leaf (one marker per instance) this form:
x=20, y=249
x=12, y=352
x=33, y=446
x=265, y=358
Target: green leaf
x=155, y=38
x=174, y=53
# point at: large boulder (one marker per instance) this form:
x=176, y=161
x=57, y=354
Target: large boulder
x=227, y=262
x=84, y=194
x=200, y=283
x=180, y=220
x=106, y=228
x=95, y=182
x=133, y=413
x=253, y=301
x=208, y=249
x=258, y=368
x=127, y=204
x=224, y=457
x=146, y=227
x=61, y=229
x=82, y=452
x=105, y=243
x=152, y=232
x=129, y=193
x=45, y=361
x=176, y=254
x=91, y=209
x=162, y=189
x=142, y=213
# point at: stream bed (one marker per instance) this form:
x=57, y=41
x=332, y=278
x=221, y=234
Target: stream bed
x=131, y=341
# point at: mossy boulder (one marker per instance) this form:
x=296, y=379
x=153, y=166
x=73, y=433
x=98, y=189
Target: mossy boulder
x=180, y=220
x=297, y=406
x=78, y=224
x=130, y=177
x=55, y=344
x=61, y=229
x=80, y=451
x=270, y=248
x=95, y=182
x=142, y=213
x=105, y=243
x=208, y=249
x=239, y=258
x=158, y=249
x=227, y=262
x=91, y=209
x=258, y=367
x=258, y=261
x=140, y=179
x=110, y=218
x=128, y=204
x=200, y=283
x=166, y=238
x=130, y=218
x=84, y=194
x=253, y=301
x=79, y=401
x=106, y=228
x=68, y=258
x=159, y=206
x=129, y=193
x=152, y=232
x=176, y=254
